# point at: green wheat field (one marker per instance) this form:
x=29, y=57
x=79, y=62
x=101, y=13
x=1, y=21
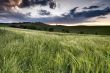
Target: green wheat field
x=33, y=51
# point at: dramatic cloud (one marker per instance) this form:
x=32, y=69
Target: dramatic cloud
x=10, y=17
x=15, y=9
x=78, y=17
x=13, y=15
x=91, y=7
x=9, y=4
x=44, y=12
x=27, y=3
x=54, y=11
x=90, y=13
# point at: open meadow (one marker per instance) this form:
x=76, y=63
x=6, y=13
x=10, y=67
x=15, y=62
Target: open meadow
x=33, y=51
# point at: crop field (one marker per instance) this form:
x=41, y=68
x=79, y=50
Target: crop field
x=33, y=51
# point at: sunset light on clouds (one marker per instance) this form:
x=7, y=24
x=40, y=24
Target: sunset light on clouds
x=67, y=12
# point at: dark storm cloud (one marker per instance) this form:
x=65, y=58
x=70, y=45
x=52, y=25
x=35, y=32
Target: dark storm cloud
x=44, y=12
x=89, y=14
x=13, y=15
x=91, y=7
x=27, y=3
x=91, y=10
x=72, y=17
x=72, y=11
x=8, y=4
x=6, y=7
x=79, y=17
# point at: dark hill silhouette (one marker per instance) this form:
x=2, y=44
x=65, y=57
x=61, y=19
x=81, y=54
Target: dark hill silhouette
x=96, y=30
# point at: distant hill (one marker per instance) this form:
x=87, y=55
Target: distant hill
x=97, y=30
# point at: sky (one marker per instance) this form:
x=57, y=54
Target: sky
x=62, y=12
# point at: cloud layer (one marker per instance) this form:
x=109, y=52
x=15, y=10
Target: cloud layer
x=27, y=3
x=9, y=4
x=53, y=11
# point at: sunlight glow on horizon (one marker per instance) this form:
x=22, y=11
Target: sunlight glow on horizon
x=107, y=23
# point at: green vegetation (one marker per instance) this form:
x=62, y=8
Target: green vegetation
x=97, y=30
x=29, y=51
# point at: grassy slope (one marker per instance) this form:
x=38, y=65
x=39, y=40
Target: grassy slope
x=27, y=51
